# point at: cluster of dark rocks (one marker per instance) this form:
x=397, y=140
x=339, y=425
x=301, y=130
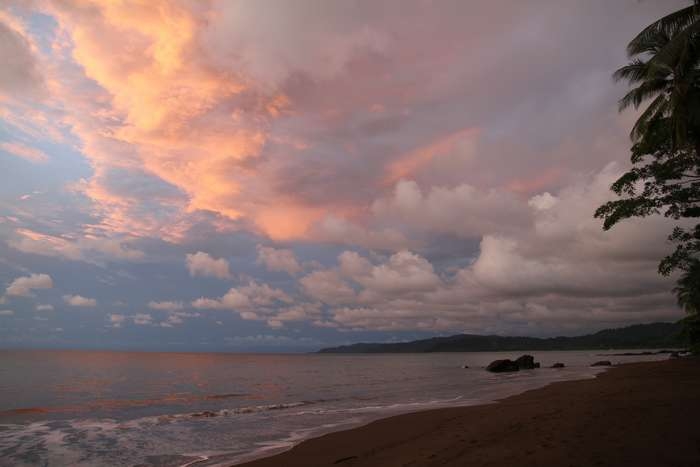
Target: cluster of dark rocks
x=525, y=362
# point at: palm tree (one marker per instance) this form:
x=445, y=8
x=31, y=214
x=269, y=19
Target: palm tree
x=664, y=69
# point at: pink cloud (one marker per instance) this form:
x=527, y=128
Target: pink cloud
x=34, y=155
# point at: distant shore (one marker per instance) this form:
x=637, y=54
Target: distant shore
x=638, y=414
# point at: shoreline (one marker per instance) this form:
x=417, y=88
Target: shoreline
x=597, y=421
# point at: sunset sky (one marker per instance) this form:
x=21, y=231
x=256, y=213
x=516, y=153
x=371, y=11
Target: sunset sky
x=287, y=175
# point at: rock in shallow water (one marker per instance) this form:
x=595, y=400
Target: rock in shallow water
x=526, y=362
x=602, y=363
x=558, y=365
x=501, y=366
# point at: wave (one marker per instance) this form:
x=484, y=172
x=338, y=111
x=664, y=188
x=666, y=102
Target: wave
x=117, y=404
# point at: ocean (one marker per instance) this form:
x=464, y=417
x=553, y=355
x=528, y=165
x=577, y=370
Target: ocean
x=88, y=408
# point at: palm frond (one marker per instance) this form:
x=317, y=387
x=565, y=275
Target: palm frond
x=669, y=25
x=654, y=112
x=678, y=53
x=636, y=71
x=643, y=92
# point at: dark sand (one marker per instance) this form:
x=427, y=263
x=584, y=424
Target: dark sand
x=641, y=414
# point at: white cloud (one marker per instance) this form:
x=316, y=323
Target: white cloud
x=34, y=155
x=463, y=210
x=44, y=307
x=6, y=312
x=559, y=271
x=177, y=318
x=299, y=312
x=403, y=272
x=116, y=320
x=247, y=297
x=328, y=287
x=166, y=305
x=201, y=264
x=142, y=319
x=279, y=260
x=353, y=265
x=23, y=286
x=275, y=323
x=79, y=301
x=89, y=249
x=260, y=302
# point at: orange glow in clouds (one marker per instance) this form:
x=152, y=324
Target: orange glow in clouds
x=169, y=111
x=462, y=141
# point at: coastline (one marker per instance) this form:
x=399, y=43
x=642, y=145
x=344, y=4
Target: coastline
x=642, y=414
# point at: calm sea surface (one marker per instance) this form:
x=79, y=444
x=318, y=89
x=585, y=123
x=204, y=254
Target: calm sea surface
x=84, y=408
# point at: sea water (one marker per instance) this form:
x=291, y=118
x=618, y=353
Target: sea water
x=87, y=408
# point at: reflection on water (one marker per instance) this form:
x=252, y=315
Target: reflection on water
x=175, y=409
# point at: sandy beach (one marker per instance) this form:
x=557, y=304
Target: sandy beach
x=641, y=414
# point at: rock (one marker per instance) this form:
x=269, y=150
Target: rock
x=526, y=362
x=673, y=355
x=465, y=366
x=206, y=413
x=537, y=364
x=501, y=366
x=558, y=365
x=602, y=363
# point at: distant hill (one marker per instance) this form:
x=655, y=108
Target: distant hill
x=640, y=336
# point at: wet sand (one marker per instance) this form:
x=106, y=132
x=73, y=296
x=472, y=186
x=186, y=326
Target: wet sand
x=640, y=414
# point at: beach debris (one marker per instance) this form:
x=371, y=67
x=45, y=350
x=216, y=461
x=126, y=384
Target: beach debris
x=602, y=363
x=558, y=365
x=501, y=366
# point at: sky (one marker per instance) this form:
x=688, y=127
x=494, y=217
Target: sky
x=284, y=176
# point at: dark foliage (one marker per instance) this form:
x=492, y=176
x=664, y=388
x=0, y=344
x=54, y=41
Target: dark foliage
x=665, y=178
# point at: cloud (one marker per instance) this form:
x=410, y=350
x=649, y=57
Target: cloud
x=44, y=308
x=23, y=286
x=79, y=301
x=245, y=298
x=177, y=318
x=328, y=287
x=6, y=312
x=218, y=121
x=21, y=73
x=464, y=210
x=166, y=306
x=404, y=271
x=90, y=249
x=563, y=271
x=463, y=195
x=352, y=265
x=25, y=152
x=116, y=320
x=142, y=319
x=259, y=302
x=278, y=260
x=201, y=264
x=341, y=231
